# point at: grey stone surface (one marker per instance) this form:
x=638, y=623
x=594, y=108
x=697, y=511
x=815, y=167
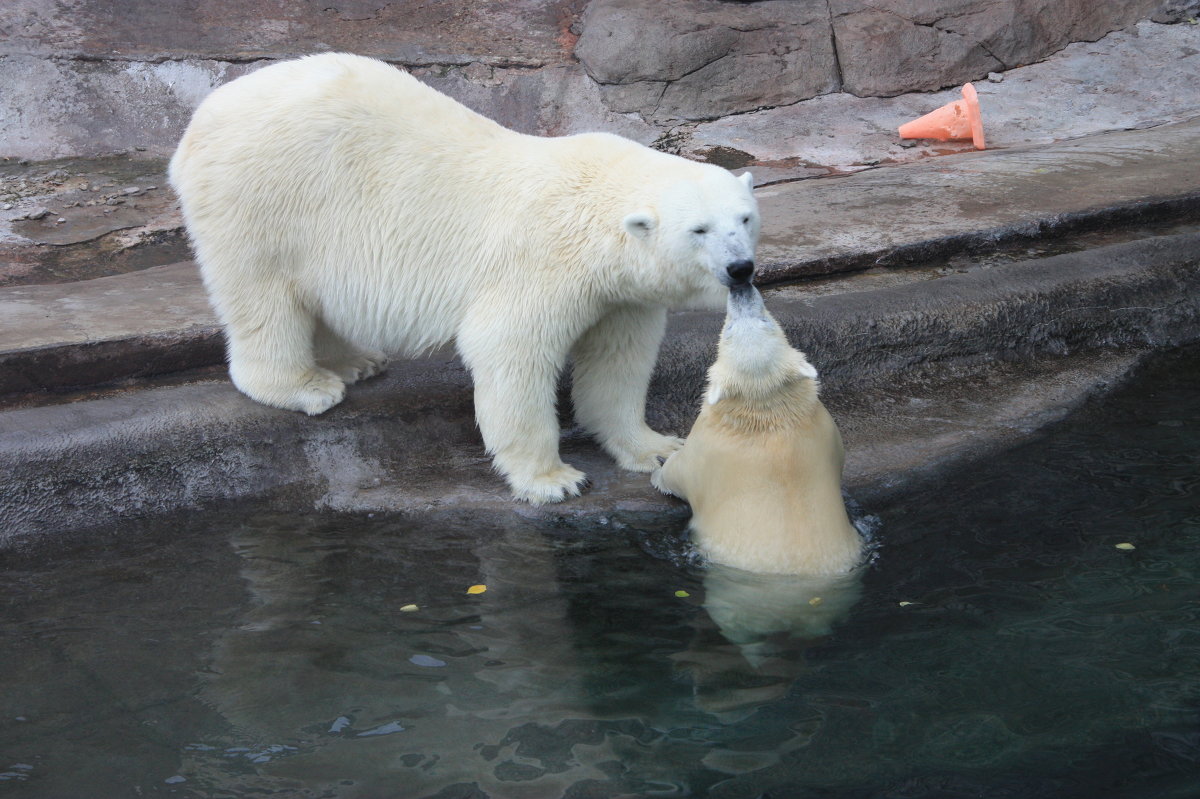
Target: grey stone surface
x=553, y=101
x=117, y=215
x=1135, y=78
x=74, y=335
x=516, y=32
x=87, y=108
x=973, y=200
x=156, y=300
x=56, y=337
x=921, y=45
x=408, y=441
x=682, y=59
x=1172, y=12
x=689, y=59
x=86, y=78
x=58, y=107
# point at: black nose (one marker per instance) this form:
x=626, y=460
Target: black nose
x=740, y=272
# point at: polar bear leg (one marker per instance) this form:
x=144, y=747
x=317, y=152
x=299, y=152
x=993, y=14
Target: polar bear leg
x=613, y=363
x=515, y=393
x=347, y=361
x=270, y=345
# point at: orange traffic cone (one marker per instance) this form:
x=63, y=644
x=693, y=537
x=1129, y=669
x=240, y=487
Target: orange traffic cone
x=956, y=121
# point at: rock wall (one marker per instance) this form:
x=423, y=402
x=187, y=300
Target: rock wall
x=89, y=77
x=703, y=59
x=921, y=45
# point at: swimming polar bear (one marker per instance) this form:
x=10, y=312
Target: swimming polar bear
x=762, y=466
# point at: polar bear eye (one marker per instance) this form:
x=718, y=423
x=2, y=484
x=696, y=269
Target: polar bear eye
x=746, y=219
x=700, y=230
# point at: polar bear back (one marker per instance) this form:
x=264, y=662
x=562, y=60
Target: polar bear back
x=394, y=208
x=769, y=501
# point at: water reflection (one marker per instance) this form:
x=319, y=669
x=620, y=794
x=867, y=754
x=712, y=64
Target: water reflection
x=579, y=656
x=761, y=612
x=250, y=653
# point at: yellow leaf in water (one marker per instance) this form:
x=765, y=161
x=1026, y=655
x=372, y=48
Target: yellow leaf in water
x=477, y=589
x=815, y=601
x=682, y=594
x=1126, y=546
x=408, y=608
x=905, y=604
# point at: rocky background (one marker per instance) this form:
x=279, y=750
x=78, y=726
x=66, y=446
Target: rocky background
x=94, y=94
x=90, y=77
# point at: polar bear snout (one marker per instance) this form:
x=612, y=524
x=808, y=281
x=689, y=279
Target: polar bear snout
x=740, y=272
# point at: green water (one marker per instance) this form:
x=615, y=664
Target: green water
x=998, y=645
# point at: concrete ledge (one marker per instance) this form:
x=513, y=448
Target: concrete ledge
x=979, y=201
x=1010, y=348
x=1140, y=294
x=155, y=321
x=75, y=335
x=94, y=363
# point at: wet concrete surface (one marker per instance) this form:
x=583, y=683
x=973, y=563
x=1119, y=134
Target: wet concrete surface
x=60, y=336
x=114, y=402
x=920, y=377
x=77, y=219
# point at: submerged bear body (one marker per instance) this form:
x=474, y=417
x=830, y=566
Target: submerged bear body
x=762, y=465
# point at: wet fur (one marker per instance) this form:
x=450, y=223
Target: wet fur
x=762, y=465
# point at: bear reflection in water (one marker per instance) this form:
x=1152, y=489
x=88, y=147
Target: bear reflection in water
x=571, y=659
x=761, y=625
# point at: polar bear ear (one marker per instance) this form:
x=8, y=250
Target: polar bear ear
x=747, y=179
x=639, y=224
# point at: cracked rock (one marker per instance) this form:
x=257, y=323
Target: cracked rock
x=924, y=45
x=703, y=59
x=1173, y=12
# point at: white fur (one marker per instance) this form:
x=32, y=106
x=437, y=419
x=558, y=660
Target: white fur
x=341, y=209
x=762, y=466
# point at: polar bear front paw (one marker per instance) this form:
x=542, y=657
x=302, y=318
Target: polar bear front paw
x=657, y=481
x=650, y=451
x=552, y=486
x=320, y=391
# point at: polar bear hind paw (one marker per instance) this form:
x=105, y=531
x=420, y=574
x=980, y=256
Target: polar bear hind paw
x=312, y=391
x=649, y=454
x=359, y=366
x=552, y=486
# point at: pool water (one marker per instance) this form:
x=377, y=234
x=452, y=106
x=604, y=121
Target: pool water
x=999, y=644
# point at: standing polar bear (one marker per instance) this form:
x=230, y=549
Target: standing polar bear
x=340, y=209
x=762, y=466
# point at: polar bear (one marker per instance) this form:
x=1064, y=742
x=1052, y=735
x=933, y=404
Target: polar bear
x=340, y=209
x=762, y=466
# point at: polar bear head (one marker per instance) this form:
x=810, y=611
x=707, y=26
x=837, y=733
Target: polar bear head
x=754, y=359
x=704, y=229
